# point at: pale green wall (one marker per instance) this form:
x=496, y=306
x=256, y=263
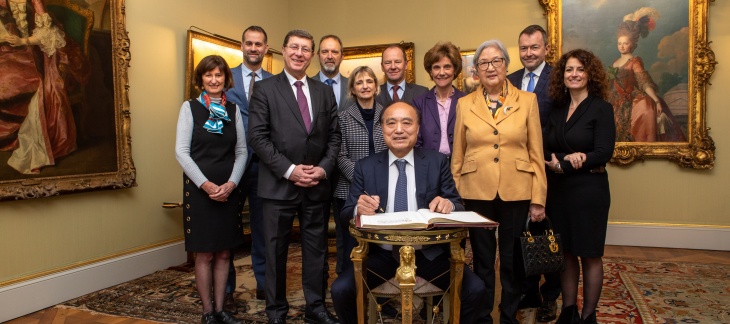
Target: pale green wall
x=45, y=234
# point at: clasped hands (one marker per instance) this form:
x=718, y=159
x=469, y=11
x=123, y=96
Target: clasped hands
x=307, y=175
x=216, y=192
x=368, y=205
x=576, y=160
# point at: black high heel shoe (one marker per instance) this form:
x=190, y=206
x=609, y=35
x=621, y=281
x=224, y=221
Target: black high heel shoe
x=569, y=315
x=591, y=319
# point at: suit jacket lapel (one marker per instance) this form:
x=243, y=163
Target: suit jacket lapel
x=421, y=172
x=238, y=83
x=286, y=92
x=384, y=95
x=578, y=113
x=543, y=80
x=480, y=108
x=511, y=103
x=381, y=181
x=432, y=108
x=315, y=92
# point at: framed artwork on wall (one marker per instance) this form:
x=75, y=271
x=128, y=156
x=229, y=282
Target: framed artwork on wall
x=202, y=44
x=659, y=62
x=370, y=55
x=467, y=80
x=64, y=105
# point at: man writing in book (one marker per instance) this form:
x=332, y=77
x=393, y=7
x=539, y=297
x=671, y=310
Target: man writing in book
x=403, y=178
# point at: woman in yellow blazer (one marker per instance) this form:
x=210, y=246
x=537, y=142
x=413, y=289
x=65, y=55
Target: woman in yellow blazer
x=499, y=169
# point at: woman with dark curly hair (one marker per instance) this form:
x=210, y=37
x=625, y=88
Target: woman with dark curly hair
x=579, y=140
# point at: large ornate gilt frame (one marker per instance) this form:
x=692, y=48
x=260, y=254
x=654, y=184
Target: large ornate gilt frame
x=373, y=51
x=699, y=151
x=125, y=174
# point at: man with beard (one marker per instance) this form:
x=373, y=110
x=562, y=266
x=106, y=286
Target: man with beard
x=254, y=46
x=534, y=77
x=330, y=57
x=394, y=62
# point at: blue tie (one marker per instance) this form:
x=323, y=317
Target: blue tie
x=401, y=188
x=329, y=82
x=531, y=83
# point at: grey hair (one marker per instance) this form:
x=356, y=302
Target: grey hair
x=494, y=43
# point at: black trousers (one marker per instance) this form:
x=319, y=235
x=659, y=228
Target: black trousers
x=278, y=223
x=511, y=216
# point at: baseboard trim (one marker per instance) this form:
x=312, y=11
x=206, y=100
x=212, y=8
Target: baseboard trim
x=682, y=237
x=33, y=295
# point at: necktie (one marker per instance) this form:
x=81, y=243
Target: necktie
x=395, y=93
x=531, y=83
x=401, y=188
x=250, y=85
x=329, y=82
x=303, y=106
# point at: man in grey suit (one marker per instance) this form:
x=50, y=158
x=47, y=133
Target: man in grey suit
x=254, y=45
x=535, y=77
x=394, y=62
x=330, y=57
x=293, y=129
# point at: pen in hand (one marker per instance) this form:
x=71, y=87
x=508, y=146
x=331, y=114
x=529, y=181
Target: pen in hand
x=380, y=209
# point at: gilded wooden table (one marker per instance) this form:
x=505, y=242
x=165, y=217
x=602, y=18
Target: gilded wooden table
x=405, y=273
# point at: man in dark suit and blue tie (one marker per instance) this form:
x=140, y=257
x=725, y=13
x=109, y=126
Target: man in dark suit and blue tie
x=394, y=63
x=254, y=45
x=535, y=77
x=404, y=179
x=293, y=129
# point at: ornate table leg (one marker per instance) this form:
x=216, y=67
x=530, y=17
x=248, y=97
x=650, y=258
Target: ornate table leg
x=358, y=255
x=457, y=273
x=406, y=275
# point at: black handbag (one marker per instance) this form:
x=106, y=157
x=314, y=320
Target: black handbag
x=541, y=253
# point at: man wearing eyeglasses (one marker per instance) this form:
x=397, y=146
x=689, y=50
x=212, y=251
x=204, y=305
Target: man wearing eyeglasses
x=293, y=129
x=394, y=63
x=534, y=77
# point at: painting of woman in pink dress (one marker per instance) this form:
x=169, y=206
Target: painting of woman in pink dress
x=641, y=115
x=38, y=60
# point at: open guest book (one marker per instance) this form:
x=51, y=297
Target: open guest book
x=424, y=219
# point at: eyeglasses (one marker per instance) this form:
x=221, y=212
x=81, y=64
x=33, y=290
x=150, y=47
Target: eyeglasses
x=483, y=66
x=296, y=48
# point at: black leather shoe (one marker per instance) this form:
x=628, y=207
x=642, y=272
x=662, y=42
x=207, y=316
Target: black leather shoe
x=277, y=321
x=530, y=301
x=323, y=317
x=208, y=318
x=569, y=315
x=547, y=311
x=260, y=294
x=226, y=318
x=591, y=319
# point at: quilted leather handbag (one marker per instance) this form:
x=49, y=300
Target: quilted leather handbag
x=541, y=253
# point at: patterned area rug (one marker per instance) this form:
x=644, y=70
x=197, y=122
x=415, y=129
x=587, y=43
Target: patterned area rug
x=634, y=291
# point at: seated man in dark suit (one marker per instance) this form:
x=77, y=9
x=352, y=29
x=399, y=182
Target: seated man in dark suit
x=401, y=179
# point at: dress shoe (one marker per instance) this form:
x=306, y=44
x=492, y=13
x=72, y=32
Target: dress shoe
x=226, y=318
x=547, y=311
x=277, y=321
x=569, y=315
x=529, y=301
x=208, y=318
x=591, y=319
x=323, y=317
x=229, y=304
x=260, y=294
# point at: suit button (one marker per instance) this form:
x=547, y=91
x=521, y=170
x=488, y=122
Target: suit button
x=496, y=146
x=496, y=160
x=188, y=231
x=496, y=132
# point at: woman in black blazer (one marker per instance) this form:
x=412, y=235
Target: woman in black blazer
x=579, y=141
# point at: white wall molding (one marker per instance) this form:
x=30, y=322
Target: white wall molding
x=33, y=295
x=649, y=235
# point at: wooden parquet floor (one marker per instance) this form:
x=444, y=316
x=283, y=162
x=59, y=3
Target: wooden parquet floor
x=56, y=315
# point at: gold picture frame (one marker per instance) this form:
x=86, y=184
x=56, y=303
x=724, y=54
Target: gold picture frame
x=201, y=45
x=698, y=151
x=95, y=109
x=370, y=55
x=467, y=80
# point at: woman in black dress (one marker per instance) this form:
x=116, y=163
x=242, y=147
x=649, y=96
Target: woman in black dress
x=579, y=141
x=211, y=148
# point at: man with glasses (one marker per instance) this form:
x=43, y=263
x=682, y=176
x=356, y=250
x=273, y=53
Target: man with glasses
x=534, y=77
x=293, y=129
x=254, y=45
x=394, y=62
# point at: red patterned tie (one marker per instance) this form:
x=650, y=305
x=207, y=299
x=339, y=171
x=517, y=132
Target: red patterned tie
x=303, y=106
x=395, y=93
